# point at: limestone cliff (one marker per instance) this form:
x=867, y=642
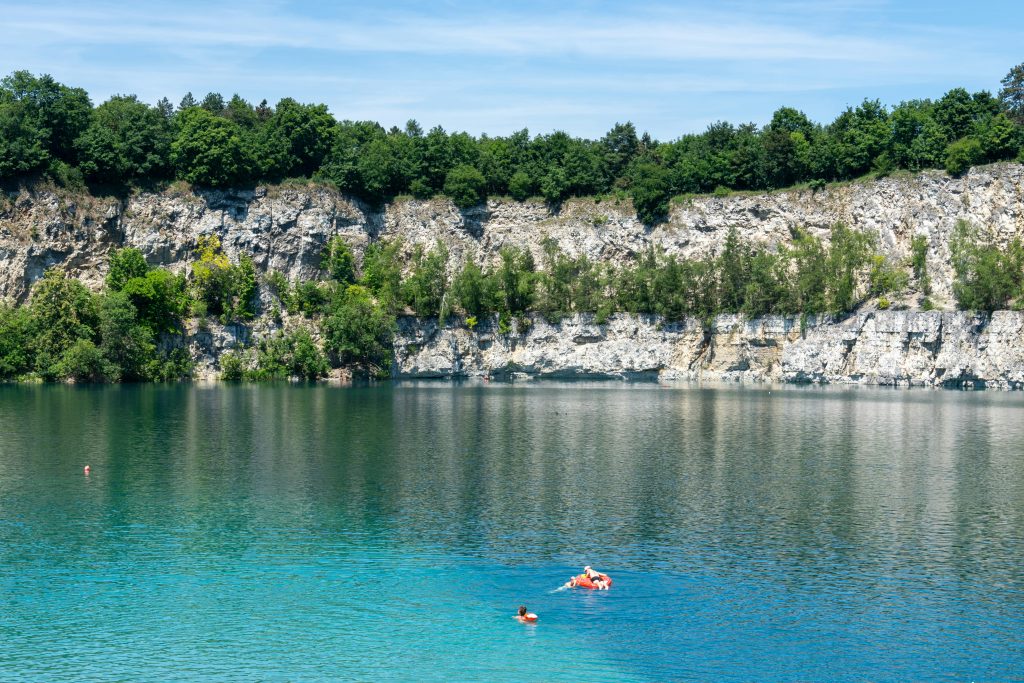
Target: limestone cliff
x=284, y=229
x=896, y=348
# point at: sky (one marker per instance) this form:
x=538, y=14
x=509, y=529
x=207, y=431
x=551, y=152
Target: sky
x=484, y=67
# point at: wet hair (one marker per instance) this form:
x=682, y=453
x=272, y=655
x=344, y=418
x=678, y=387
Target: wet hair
x=522, y=610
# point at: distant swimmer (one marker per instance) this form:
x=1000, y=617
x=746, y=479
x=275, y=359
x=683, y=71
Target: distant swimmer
x=525, y=617
x=590, y=579
x=86, y=470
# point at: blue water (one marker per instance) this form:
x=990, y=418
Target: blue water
x=281, y=533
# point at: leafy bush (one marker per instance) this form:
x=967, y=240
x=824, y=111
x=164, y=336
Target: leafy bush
x=963, y=154
x=227, y=290
x=919, y=262
x=465, y=185
x=284, y=355
x=338, y=261
x=986, y=277
x=360, y=331
x=232, y=366
x=426, y=286
x=83, y=362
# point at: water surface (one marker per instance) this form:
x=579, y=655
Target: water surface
x=321, y=533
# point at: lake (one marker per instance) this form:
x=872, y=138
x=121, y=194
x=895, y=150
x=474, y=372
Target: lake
x=305, y=533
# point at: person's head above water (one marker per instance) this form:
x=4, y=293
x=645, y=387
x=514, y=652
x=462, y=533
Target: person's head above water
x=522, y=610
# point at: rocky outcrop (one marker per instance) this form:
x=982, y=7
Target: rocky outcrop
x=284, y=228
x=895, y=348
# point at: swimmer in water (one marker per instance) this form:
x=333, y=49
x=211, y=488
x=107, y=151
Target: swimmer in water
x=525, y=617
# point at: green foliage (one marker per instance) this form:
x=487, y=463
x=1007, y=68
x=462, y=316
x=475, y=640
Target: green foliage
x=126, y=345
x=126, y=141
x=886, y=277
x=473, y=289
x=49, y=129
x=281, y=356
x=63, y=312
x=515, y=280
x=123, y=265
x=338, y=261
x=310, y=298
x=15, y=342
x=568, y=285
x=83, y=362
x=651, y=190
x=160, y=297
x=986, y=277
x=232, y=366
x=424, y=290
x=382, y=272
x=360, y=331
x=1012, y=94
x=919, y=262
x=521, y=186
x=210, y=150
x=227, y=290
x=465, y=185
x=963, y=154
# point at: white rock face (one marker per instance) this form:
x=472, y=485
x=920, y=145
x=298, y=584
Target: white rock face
x=897, y=348
x=285, y=229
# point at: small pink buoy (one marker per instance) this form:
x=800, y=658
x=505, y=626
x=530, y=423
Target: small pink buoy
x=86, y=469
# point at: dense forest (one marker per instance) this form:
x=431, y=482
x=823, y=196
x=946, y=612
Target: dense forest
x=48, y=129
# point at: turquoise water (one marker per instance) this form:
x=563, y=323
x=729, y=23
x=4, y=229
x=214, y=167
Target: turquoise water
x=388, y=533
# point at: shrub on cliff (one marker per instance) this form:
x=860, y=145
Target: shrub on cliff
x=210, y=150
x=360, y=331
x=963, y=154
x=126, y=141
x=426, y=286
x=651, y=189
x=465, y=185
x=987, y=277
x=283, y=355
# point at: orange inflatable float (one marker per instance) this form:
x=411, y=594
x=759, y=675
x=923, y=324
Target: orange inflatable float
x=584, y=581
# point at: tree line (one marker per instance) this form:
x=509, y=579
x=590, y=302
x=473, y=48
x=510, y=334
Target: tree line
x=53, y=130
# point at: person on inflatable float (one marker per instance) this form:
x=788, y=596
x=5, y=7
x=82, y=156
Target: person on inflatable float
x=524, y=616
x=590, y=579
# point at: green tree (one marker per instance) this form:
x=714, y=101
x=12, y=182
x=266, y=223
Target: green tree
x=50, y=110
x=516, y=281
x=339, y=262
x=963, y=154
x=474, y=290
x=651, y=190
x=465, y=186
x=210, y=150
x=1012, y=94
x=63, y=312
x=126, y=141
x=83, y=361
x=521, y=186
x=382, y=272
x=15, y=342
x=425, y=288
x=986, y=278
x=126, y=345
x=360, y=331
x=125, y=264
